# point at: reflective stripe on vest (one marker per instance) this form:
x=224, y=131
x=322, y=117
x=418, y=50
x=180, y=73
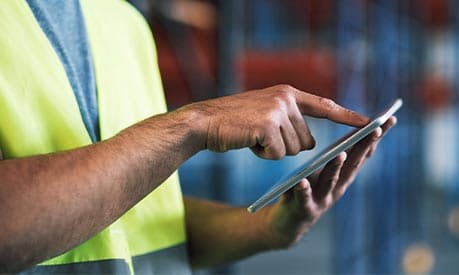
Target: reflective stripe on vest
x=39, y=114
x=158, y=262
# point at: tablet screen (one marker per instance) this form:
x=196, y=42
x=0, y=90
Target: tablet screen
x=323, y=157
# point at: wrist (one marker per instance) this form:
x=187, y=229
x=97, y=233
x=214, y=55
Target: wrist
x=197, y=124
x=178, y=134
x=271, y=237
x=284, y=228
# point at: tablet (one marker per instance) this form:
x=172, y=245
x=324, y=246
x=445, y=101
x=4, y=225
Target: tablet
x=323, y=157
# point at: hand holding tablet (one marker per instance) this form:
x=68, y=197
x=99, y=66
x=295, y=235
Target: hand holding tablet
x=323, y=157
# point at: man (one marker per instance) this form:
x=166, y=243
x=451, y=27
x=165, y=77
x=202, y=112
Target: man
x=93, y=190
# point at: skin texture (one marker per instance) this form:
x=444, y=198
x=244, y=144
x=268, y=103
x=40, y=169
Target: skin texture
x=51, y=203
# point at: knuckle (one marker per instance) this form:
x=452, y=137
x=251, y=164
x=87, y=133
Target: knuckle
x=266, y=140
x=280, y=102
x=374, y=139
x=285, y=87
x=335, y=178
x=284, y=100
x=337, y=163
x=277, y=154
x=272, y=123
x=286, y=93
x=293, y=151
x=275, y=106
x=309, y=143
x=327, y=202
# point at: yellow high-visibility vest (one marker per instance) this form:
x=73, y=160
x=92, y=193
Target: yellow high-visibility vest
x=39, y=114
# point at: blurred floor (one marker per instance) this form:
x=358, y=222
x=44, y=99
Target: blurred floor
x=312, y=255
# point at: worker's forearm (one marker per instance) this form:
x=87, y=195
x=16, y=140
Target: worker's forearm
x=51, y=203
x=219, y=234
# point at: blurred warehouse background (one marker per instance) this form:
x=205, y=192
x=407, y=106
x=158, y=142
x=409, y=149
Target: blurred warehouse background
x=402, y=213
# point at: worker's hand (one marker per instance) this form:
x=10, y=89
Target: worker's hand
x=299, y=209
x=269, y=121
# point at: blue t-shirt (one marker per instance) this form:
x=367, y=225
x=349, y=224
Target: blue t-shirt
x=63, y=23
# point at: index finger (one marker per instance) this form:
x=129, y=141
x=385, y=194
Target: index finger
x=322, y=107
